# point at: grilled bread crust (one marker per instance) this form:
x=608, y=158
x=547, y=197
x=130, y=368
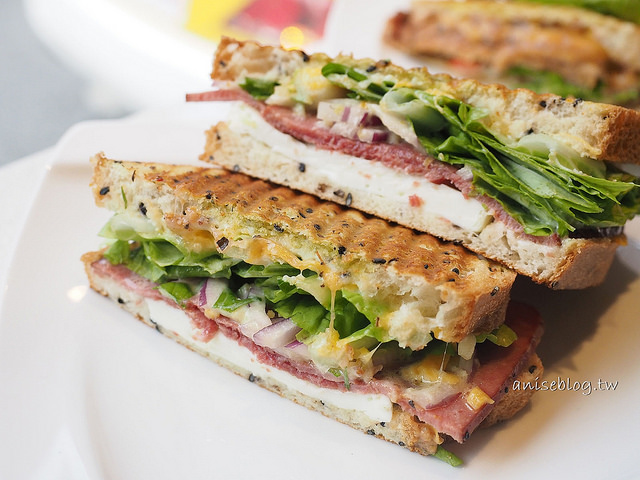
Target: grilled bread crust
x=453, y=292
x=403, y=429
x=595, y=130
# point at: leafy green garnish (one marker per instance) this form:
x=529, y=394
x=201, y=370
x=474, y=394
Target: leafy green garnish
x=353, y=317
x=163, y=262
x=368, y=308
x=447, y=456
x=229, y=302
x=118, y=252
x=305, y=312
x=258, y=88
x=140, y=264
x=246, y=270
x=544, y=195
x=355, y=81
x=502, y=336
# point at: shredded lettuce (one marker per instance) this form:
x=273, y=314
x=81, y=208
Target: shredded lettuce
x=353, y=317
x=545, y=193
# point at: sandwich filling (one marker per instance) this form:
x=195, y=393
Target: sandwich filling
x=287, y=321
x=343, y=332
x=536, y=184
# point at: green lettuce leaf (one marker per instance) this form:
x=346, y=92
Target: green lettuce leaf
x=371, y=310
x=230, y=302
x=258, y=88
x=161, y=261
x=305, y=312
x=545, y=196
x=178, y=291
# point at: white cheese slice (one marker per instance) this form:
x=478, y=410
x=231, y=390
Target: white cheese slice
x=375, y=406
x=355, y=174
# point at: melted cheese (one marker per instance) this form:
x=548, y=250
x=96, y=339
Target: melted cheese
x=263, y=251
x=477, y=398
x=430, y=370
x=431, y=382
x=377, y=407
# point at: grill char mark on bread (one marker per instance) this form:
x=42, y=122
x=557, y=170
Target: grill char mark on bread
x=377, y=256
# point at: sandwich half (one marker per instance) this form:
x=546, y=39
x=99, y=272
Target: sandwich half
x=540, y=183
x=562, y=47
x=390, y=331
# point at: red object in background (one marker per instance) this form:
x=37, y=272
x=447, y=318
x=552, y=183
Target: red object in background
x=270, y=17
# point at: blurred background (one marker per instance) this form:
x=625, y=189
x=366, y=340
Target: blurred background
x=66, y=61
x=39, y=96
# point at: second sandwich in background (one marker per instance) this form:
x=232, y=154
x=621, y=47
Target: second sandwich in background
x=565, y=48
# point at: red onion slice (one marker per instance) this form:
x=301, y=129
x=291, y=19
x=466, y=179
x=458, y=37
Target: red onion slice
x=278, y=334
x=202, y=298
x=372, y=134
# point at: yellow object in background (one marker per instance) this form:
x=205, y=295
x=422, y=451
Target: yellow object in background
x=291, y=23
x=211, y=18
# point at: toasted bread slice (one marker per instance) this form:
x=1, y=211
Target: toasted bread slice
x=442, y=287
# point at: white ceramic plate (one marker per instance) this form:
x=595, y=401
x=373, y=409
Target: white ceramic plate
x=87, y=392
